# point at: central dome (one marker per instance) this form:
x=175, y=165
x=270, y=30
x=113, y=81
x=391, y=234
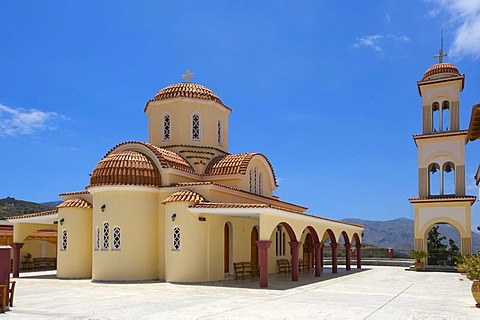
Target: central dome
x=187, y=90
x=440, y=70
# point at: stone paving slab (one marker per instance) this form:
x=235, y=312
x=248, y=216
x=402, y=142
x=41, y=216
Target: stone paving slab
x=373, y=293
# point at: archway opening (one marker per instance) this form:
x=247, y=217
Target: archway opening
x=448, y=178
x=443, y=245
x=445, y=116
x=434, y=179
x=436, y=117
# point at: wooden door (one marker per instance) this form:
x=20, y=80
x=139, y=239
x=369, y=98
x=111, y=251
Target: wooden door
x=253, y=247
x=308, y=250
x=226, y=248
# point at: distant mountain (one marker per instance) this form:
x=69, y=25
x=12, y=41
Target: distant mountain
x=53, y=204
x=13, y=207
x=398, y=233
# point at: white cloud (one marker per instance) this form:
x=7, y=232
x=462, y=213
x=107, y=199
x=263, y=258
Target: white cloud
x=377, y=41
x=464, y=17
x=18, y=121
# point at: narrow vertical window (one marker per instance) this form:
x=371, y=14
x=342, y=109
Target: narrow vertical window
x=166, y=127
x=64, y=240
x=219, y=132
x=260, y=184
x=106, y=236
x=176, y=239
x=255, y=187
x=251, y=181
x=195, y=127
x=116, y=238
x=97, y=238
x=445, y=116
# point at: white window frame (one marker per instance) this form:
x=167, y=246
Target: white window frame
x=97, y=239
x=116, y=243
x=164, y=137
x=199, y=126
x=64, y=244
x=176, y=238
x=220, y=132
x=105, y=236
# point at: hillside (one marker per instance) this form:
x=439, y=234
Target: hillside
x=398, y=233
x=13, y=207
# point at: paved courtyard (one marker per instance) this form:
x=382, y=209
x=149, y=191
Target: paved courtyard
x=372, y=293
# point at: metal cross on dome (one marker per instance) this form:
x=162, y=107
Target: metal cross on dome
x=440, y=54
x=188, y=75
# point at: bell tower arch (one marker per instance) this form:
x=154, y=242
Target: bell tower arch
x=441, y=157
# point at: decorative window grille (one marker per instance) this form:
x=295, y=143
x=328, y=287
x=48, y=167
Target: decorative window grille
x=176, y=239
x=219, y=132
x=116, y=238
x=106, y=236
x=251, y=181
x=260, y=184
x=255, y=187
x=195, y=127
x=64, y=240
x=166, y=127
x=97, y=238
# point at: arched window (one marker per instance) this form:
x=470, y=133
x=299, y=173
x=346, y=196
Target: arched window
x=106, y=236
x=445, y=116
x=176, y=239
x=116, y=238
x=166, y=127
x=219, y=132
x=435, y=117
x=97, y=238
x=196, y=125
x=434, y=179
x=448, y=178
x=64, y=240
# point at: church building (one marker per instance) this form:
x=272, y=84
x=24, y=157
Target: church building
x=181, y=208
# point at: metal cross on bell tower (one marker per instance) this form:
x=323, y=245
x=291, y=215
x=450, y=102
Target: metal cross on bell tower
x=188, y=75
x=440, y=54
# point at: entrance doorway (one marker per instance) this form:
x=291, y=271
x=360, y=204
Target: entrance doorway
x=253, y=247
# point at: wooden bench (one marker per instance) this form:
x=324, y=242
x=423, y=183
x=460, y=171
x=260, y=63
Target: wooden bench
x=284, y=265
x=44, y=263
x=303, y=265
x=6, y=300
x=243, y=269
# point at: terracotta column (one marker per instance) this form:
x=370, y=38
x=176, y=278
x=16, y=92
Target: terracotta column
x=348, y=256
x=334, y=257
x=263, y=246
x=295, y=246
x=16, y=258
x=358, y=246
x=318, y=258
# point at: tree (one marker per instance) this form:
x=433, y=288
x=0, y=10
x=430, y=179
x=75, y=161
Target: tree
x=439, y=252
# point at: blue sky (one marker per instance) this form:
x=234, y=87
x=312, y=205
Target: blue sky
x=325, y=89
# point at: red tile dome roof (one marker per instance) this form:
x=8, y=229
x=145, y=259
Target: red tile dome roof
x=440, y=70
x=125, y=168
x=187, y=90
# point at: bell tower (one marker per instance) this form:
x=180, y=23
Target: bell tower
x=441, y=157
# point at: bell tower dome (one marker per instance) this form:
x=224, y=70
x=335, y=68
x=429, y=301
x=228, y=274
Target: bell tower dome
x=189, y=119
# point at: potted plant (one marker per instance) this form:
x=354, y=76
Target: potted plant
x=470, y=266
x=418, y=256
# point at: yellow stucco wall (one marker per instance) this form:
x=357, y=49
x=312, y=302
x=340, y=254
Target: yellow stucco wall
x=181, y=111
x=76, y=260
x=135, y=211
